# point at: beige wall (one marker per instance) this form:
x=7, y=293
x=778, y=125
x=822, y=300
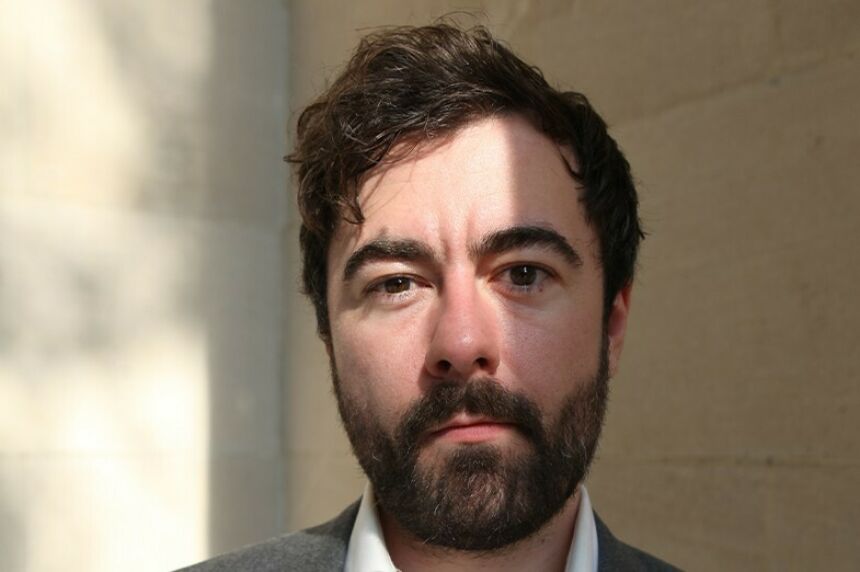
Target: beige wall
x=733, y=440
x=141, y=210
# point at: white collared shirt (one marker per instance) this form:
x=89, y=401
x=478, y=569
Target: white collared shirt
x=367, y=551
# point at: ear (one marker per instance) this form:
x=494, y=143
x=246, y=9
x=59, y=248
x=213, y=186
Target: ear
x=326, y=340
x=616, y=327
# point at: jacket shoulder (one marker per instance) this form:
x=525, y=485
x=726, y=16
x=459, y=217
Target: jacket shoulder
x=321, y=548
x=614, y=555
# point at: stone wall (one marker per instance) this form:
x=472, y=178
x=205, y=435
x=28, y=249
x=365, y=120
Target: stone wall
x=142, y=201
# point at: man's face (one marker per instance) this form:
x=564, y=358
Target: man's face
x=467, y=336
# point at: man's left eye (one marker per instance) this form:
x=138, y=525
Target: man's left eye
x=524, y=276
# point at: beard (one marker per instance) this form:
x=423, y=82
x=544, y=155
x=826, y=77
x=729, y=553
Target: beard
x=479, y=497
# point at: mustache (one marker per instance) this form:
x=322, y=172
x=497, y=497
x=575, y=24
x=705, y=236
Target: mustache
x=481, y=396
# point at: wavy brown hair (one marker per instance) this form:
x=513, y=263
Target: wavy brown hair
x=416, y=83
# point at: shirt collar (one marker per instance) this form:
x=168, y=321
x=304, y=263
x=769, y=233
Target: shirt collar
x=367, y=551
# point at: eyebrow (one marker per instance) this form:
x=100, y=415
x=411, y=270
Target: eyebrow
x=498, y=242
x=516, y=237
x=386, y=249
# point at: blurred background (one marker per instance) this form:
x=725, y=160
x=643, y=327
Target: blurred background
x=163, y=396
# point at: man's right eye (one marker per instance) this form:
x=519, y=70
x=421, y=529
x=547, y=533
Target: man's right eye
x=396, y=285
x=392, y=286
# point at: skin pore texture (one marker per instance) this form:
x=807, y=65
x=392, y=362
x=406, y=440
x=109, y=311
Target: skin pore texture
x=467, y=328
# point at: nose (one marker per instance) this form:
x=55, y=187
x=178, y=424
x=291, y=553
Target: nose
x=464, y=341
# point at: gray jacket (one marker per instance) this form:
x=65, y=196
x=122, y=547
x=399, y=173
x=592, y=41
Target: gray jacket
x=323, y=549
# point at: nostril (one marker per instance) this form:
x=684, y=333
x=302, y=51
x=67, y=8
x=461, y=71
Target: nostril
x=482, y=362
x=445, y=365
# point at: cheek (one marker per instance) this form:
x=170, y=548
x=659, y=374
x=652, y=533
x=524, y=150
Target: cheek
x=549, y=357
x=379, y=372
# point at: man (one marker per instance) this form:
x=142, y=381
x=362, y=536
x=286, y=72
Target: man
x=469, y=239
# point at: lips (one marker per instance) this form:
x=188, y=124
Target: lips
x=467, y=428
x=457, y=412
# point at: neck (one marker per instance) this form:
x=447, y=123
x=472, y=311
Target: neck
x=547, y=549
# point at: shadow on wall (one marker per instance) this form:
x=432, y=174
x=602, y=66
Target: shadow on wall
x=14, y=542
x=244, y=108
x=141, y=192
x=218, y=159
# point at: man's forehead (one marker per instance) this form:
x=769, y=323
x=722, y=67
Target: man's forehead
x=500, y=169
x=497, y=145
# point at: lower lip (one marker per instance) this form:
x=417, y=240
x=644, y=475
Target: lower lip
x=475, y=433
